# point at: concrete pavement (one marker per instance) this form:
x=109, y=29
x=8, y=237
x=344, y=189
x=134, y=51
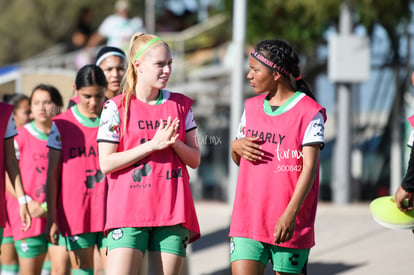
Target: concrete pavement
x=348, y=241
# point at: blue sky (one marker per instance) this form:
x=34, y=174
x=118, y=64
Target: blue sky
x=180, y=6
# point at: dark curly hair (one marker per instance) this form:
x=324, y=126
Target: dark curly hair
x=283, y=54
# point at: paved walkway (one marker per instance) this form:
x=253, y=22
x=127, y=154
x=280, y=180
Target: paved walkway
x=348, y=241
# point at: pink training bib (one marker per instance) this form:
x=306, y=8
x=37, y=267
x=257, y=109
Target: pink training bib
x=82, y=198
x=33, y=168
x=264, y=188
x=5, y=113
x=154, y=191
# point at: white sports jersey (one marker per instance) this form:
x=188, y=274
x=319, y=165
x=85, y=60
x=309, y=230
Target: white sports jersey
x=411, y=139
x=119, y=30
x=11, y=130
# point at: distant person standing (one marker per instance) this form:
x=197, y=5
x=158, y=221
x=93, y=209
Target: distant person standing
x=83, y=30
x=118, y=28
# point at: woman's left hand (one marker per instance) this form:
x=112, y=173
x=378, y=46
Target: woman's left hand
x=36, y=209
x=284, y=228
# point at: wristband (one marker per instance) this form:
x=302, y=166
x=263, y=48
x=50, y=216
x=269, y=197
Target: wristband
x=28, y=198
x=24, y=199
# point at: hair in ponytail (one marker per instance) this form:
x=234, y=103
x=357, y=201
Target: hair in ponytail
x=286, y=62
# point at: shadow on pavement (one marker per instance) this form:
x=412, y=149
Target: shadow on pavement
x=221, y=236
x=211, y=239
x=329, y=268
x=313, y=268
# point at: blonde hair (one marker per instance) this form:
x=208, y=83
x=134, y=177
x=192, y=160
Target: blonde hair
x=138, y=42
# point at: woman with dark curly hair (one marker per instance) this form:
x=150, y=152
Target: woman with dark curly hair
x=277, y=149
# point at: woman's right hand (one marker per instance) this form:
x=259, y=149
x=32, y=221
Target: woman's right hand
x=247, y=148
x=166, y=134
x=400, y=196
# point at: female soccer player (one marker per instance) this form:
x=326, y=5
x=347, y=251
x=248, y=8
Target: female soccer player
x=147, y=138
x=277, y=150
x=76, y=187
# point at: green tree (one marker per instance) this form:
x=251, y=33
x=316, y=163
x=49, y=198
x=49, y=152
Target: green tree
x=303, y=22
x=28, y=27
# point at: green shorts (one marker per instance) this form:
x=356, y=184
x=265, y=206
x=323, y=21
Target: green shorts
x=171, y=239
x=288, y=260
x=85, y=240
x=1, y=234
x=61, y=241
x=7, y=240
x=31, y=247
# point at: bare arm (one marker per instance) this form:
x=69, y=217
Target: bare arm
x=110, y=160
x=12, y=169
x=34, y=207
x=9, y=186
x=95, y=40
x=286, y=224
x=52, y=185
x=188, y=152
x=407, y=187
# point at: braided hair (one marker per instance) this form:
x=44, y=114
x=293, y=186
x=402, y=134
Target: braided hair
x=283, y=54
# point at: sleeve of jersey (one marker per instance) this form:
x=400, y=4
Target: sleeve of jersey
x=109, y=127
x=54, y=141
x=315, y=133
x=137, y=24
x=190, y=123
x=411, y=140
x=105, y=29
x=16, y=149
x=408, y=182
x=242, y=124
x=11, y=130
